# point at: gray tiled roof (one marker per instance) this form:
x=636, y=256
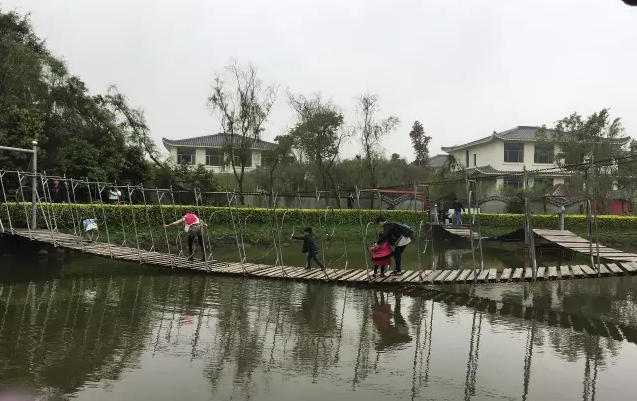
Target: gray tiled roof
x=438, y=161
x=519, y=133
x=213, y=141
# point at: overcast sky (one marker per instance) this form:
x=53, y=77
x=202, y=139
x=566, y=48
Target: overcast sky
x=462, y=68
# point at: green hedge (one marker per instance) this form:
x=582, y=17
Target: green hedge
x=65, y=213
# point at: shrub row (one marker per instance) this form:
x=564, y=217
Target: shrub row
x=116, y=214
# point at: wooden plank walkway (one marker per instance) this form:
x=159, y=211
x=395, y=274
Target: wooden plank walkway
x=410, y=277
x=567, y=239
x=460, y=231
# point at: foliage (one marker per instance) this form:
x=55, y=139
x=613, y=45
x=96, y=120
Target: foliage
x=299, y=217
x=242, y=104
x=79, y=134
x=318, y=134
x=420, y=143
x=595, y=138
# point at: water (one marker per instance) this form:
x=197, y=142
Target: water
x=83, y=327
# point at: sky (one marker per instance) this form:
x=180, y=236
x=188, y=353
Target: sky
x=462, y=68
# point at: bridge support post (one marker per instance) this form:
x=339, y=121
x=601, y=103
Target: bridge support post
x=34, y=186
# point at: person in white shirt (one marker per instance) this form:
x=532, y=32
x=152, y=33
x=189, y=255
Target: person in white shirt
x=192, y=226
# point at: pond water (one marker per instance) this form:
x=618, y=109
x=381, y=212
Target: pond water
x=89, y=328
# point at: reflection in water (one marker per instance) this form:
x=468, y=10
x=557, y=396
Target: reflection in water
x=109, y=336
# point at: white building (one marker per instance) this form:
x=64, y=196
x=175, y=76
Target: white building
x=509, y=152
x=208, y=151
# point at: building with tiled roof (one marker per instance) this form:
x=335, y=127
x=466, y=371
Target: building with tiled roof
x=502, y=157
x=208, y=150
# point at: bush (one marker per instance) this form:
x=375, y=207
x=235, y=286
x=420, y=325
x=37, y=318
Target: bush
x=116, y=215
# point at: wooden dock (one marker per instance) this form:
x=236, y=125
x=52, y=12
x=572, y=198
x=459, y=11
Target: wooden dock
x=567, y=239
x=409, y=277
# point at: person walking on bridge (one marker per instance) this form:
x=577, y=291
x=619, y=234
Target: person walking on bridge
x=398, y=235
x=457, y=212
x=192, y=227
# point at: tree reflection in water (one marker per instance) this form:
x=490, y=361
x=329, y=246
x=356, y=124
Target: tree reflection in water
x=60, y=335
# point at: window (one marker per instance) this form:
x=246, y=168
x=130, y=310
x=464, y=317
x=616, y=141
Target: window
x=543, y=153
x=513, y=181
x=185, y=156
x=213, y=157
x=267, y=158
x=475, y=161
x=514, y=152
x=466, y=158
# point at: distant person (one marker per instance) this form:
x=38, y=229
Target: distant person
x=350, y=201
x=381, y=257
x=57, y=196
x=114, y=195
x=398, y=235
x=90, y=228
x=193, y=227
x=309, y=248
x=457, y=212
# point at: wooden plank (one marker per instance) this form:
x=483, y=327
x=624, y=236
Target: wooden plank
x=577, y=271
x=614, y=268
x=483, y=275
x=356, y=276
x=603, y=270
x=528, y=273
x=453, y=275
x=431, y=277
x=541, y=272
x=553, y=273
x=413, y=274
x=341, y=273
x=629, y=267
x=348, y=275
x=493, y=275
x=463, y=275
x=588, y=270
x=506, y=274
x=565, y=272
x=441, y=277
x=517, y=274
x=416, y=278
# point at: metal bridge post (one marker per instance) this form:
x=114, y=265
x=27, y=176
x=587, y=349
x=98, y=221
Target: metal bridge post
x=34, y=190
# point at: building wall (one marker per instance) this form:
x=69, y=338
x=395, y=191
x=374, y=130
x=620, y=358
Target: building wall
x=200, y=158
x=492, y=153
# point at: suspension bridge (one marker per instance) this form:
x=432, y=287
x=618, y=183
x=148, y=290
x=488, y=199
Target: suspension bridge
x=19, y=220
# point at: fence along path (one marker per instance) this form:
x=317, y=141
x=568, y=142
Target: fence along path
x=410, y=277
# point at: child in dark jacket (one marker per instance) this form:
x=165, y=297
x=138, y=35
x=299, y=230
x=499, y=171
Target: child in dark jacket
x=309, y=247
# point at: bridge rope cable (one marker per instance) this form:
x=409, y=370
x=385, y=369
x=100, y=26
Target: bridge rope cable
x=198, y=201
x=100, y=190
x=242, y=258
x=163, y=223
x=150, y=230
x=363, y=233
x=177, y=216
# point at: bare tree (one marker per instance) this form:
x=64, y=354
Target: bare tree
x=370, y=131
x=243, y=104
